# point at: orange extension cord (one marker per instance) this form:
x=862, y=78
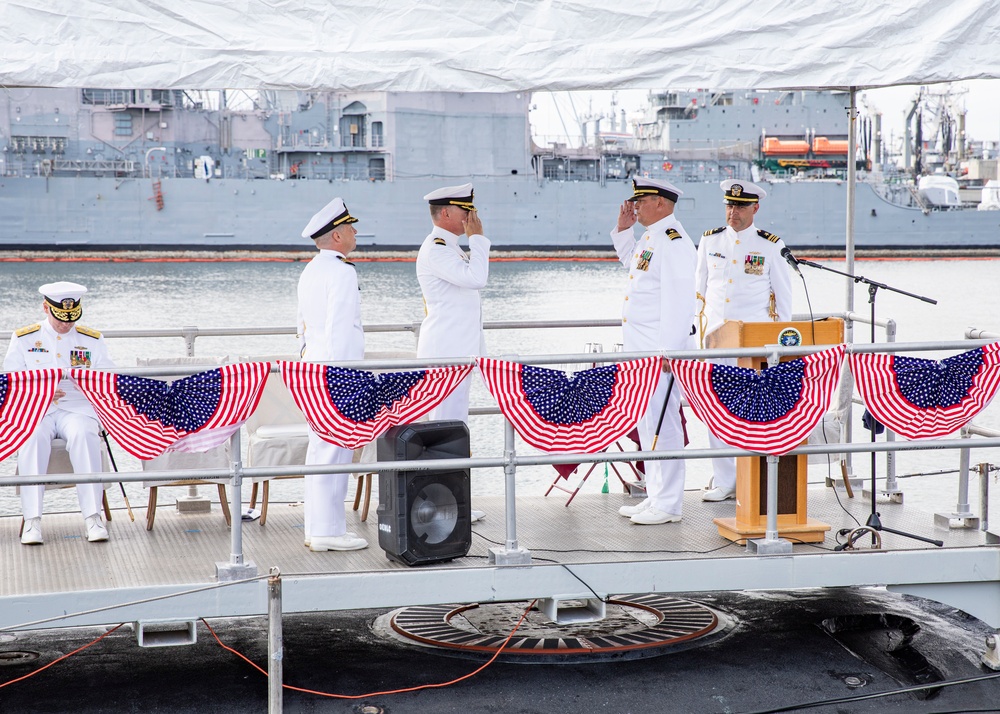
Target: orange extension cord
x=60, y=659
x=288, y=686
x=439, y=685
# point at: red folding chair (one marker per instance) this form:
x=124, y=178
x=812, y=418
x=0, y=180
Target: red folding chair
x=564, y=471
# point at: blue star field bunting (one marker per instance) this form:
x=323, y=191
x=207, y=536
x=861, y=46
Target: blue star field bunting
x=921, y=398
x=584, y=413
x=193, y=414
x=770, y=412
x=351, y=408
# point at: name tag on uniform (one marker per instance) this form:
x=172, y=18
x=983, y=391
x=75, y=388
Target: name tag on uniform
x=753, y=264
x=642, y=261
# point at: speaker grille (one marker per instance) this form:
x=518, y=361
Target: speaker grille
x=424, y=516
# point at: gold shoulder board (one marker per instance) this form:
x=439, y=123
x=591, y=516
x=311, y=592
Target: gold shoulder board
x=713, y=231
x=767, y=236
x=440, y=241
x=673, y=234
x=88, y=331
x=28, y=329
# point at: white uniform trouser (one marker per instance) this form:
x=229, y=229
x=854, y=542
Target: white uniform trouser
x=83, y=442
x=325, y=493
x=664, y=479
x=456, y=406
x=723, y=468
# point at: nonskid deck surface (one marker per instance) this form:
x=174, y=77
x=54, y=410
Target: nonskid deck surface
x=183, y=548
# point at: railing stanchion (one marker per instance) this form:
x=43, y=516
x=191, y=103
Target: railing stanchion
x=236, y=568
x=511, y=553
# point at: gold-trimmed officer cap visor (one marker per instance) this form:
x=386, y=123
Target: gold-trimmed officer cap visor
x=736, y=196
x=67, y=310
x=343, y=218
x=464, y=202
x=340, y=220
x=640, y=191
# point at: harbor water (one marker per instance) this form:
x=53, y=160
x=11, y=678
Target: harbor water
x=135, y=295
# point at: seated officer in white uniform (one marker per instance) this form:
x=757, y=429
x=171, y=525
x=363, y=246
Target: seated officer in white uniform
x=741, y=276
x=657, y=314
x=450, y=282
x=329, y=330
x=59, y=342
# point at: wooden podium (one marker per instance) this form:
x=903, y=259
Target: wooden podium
x=751, y=471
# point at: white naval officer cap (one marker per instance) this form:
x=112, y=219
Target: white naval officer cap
x=741, y=192
x=460, y=196
x=649, y=187
x=333, y=214
x=63, y=299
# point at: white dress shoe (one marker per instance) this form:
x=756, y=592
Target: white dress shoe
x=96, y=532
x=32, y=533
x=476, y=516
x=654, y=517
x=348, y=541
x=629, y=511
x=717, y=494
x=308, y=540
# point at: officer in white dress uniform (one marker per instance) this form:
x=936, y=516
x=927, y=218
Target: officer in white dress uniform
x=329, y=330
x=658, y=314
x=741, y=276
x=450, y=281
x=59, y=342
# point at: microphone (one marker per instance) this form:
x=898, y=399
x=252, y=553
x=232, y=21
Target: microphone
x=787, y=255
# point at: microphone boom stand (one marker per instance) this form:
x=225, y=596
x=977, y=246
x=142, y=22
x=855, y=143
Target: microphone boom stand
x=874, y=521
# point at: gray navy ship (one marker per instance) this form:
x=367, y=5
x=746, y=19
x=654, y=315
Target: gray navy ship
x=109, y=170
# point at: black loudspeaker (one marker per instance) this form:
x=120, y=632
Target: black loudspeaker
x=424, y=516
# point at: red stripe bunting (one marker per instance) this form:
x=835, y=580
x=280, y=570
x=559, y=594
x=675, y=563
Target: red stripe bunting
x=310, y=389
x=878, y=383
x=27, y=397
x=633, y=386
x=145, y=438
x=776, y=436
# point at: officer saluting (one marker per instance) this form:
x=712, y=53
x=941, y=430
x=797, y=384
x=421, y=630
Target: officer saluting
x=450, y=281
x=329, y=330
x=59, y=342
x=741, y=276
x=657, y=314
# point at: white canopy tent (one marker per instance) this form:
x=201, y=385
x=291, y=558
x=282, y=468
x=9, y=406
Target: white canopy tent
x=494, y=45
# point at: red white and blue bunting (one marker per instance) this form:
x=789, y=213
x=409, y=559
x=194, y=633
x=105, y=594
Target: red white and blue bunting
x=922, y=398
x=772, y=411
x=351, y=408
x=24, y=399
x=584, y=413
x=193, y=414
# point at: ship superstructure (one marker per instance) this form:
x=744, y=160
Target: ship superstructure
x=160, y=170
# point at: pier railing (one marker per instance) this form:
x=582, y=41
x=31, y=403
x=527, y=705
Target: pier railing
x=510, y=460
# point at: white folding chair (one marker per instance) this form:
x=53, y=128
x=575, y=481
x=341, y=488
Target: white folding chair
x=59, y=463
x=215, y=458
